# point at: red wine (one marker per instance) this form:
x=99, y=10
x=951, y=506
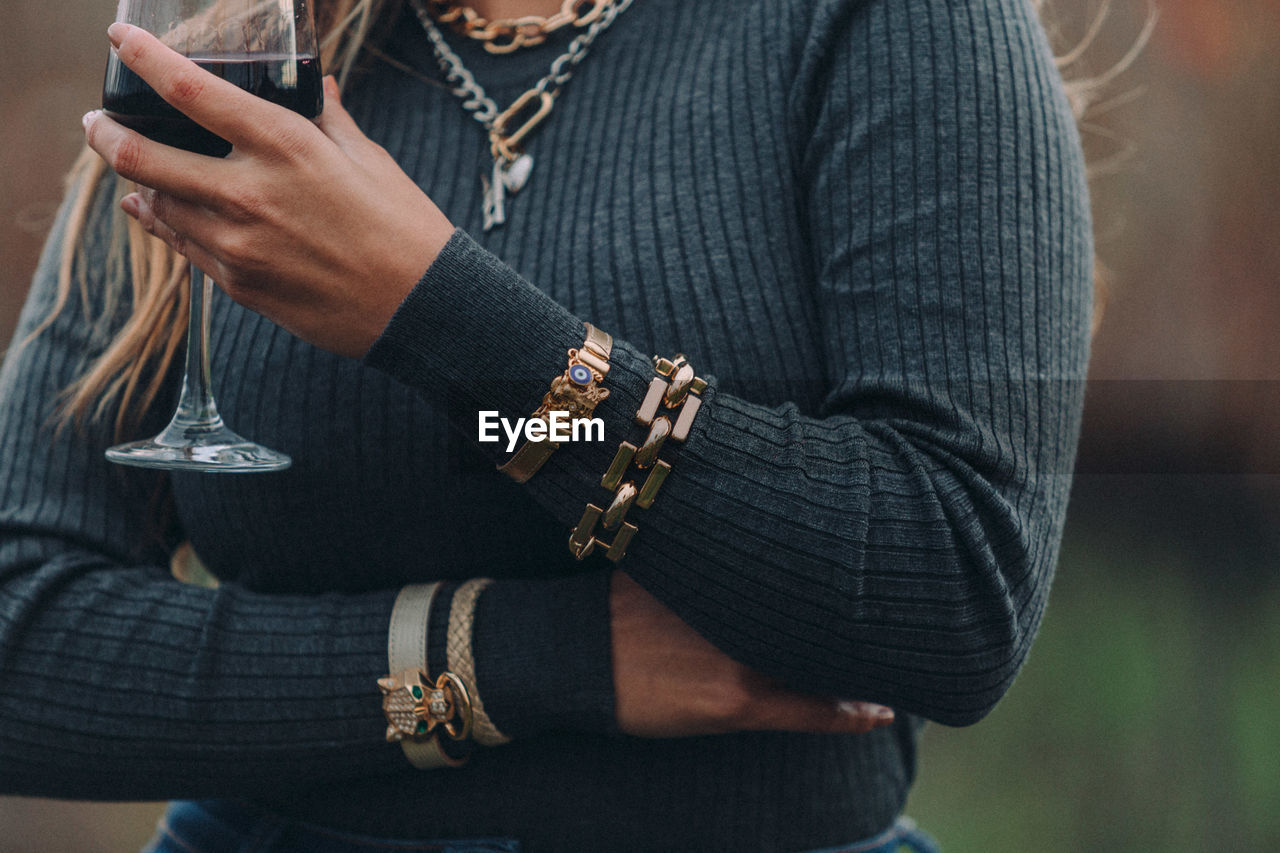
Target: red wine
x=292, y=82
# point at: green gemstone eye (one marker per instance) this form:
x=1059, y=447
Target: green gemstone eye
x=417, y=692
x=422, y=727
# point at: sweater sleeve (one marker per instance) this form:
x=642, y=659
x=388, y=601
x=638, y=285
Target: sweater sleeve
x=898, y=544
x=118, y=682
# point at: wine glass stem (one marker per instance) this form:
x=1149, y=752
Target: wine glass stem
x=196, y=408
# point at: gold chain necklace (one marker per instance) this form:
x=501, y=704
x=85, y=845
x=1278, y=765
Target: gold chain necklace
x=507, y=35
x=511, y=166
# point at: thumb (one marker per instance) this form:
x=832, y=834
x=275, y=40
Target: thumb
x=335, y=122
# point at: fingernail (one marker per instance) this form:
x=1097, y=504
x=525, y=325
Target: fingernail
x=116, y=32
x=866, y=709
x=88, y=118
x=129, y=204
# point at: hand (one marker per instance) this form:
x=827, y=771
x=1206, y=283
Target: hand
x=670, y=682
x=312, y=225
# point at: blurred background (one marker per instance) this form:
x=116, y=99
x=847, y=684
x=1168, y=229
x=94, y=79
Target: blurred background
x=1148, y=717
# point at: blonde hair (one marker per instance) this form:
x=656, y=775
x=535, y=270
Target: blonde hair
x=1085, y=94
x=131, y=372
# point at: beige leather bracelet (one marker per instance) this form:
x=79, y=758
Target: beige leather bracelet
x=462, y=661
x=406, y=689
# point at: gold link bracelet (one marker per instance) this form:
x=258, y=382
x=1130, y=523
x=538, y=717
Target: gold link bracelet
x=675, y=387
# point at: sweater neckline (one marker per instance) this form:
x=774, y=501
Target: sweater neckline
x=503, y=76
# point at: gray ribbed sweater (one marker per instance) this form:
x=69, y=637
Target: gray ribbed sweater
x=866, y=220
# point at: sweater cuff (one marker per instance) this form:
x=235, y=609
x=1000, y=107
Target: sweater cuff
x=476, y=335
x=473, y=327
x=543, y=655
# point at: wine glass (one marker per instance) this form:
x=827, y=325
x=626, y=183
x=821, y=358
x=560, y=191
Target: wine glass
x=267, y=47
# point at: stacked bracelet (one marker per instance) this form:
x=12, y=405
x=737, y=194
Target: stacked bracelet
x=675, y=387
x=418, y=708
x=576, y=392
x=462, y=661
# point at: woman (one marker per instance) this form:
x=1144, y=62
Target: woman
x=864, y=223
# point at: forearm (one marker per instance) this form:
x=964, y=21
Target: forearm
x=851, y=554
x=892, y=536
x=118, y=682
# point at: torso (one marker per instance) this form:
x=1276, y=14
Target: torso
x=663, y=207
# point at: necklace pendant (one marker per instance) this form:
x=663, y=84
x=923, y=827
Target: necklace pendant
x=495, y=197
x=516, y=175
x=506, y=178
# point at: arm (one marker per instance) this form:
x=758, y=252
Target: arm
x=118, y=682
x=896, y=544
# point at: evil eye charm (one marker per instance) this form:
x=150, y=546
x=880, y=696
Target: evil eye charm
x=580, y=374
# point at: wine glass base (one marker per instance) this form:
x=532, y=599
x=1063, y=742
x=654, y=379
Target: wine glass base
x=219, y=451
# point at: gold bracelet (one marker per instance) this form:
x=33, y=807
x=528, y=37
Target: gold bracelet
x=675, y=387
x=416, y=706
x=576, y=392
x=462, y=661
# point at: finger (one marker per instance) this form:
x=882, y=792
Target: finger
x=195, y=222
x=137, y=207
x=336, y=123
x=789, y=711
x=878, y=715
x=217, y=105
x=133, y=156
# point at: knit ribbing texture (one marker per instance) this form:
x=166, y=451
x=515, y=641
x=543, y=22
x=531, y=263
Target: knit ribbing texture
x=865, y=221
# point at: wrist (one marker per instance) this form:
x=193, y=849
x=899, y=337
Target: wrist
x=543, y=655
x=474, y=329
x=389, y=285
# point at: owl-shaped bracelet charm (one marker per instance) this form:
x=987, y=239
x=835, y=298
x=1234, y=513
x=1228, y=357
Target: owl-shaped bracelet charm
x=415, y=707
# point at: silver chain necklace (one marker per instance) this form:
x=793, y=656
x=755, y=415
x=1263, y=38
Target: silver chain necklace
x=511, y=166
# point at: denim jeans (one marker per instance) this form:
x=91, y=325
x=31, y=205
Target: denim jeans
x=222, y=826
x=903, y=835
